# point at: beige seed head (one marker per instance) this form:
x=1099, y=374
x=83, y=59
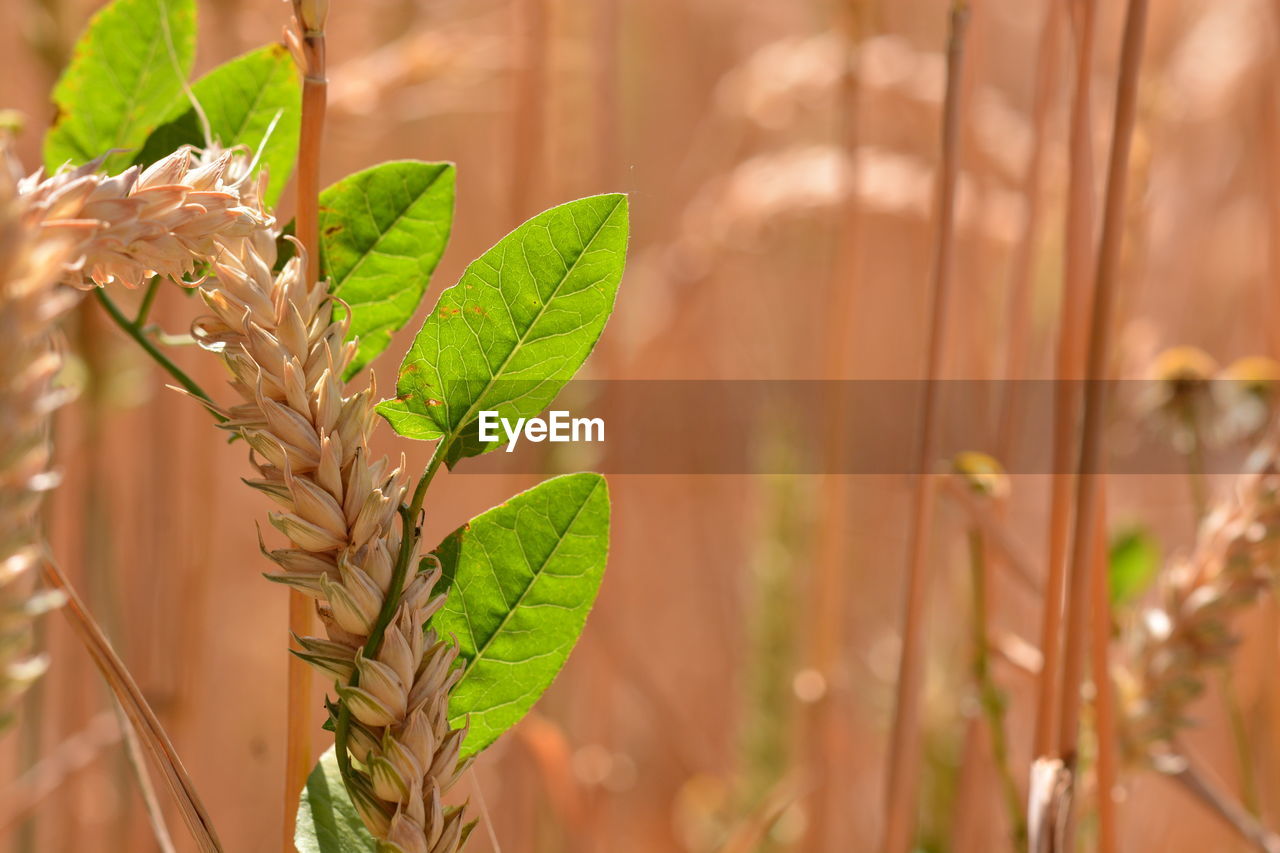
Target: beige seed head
x=1178, y=642
x=31, y=302
x=339, y=508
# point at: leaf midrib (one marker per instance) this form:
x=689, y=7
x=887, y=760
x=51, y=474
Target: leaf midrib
x=521, y=339
x=533, y=580
x=391, y=227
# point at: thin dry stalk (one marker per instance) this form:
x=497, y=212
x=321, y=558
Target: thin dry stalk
x=1022, y=265
x=528, y=109
x=308, y=44
x=1069, y=367
x=1088, y=503
x=1221, y=803
x=139, y=712
x=825, y=629
x=68, y=758
x=904, y=750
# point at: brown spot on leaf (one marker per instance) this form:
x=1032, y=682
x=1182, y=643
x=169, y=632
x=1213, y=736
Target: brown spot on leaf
x=333, y=229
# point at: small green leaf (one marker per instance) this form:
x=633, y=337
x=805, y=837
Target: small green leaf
x=241, y=99
x=383, y=231
x=126, y=71
x=515, y=328
x=1133, y=561
x=522, y=578
x=327, y=821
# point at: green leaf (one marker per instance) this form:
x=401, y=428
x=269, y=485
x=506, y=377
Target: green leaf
x=1134, y=559
x=124, y=75
x=522, y=578
x=241, y=99
x=327, y=821
x=515, y=328
x=383, y=232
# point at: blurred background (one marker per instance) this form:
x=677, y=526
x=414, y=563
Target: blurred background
x=733, y=689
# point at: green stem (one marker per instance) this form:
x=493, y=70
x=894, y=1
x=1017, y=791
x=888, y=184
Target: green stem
x=408, y=545
x=989, y=696
x=134, y=331
x=144, y=310
x=1195, y=470
x=1240, y=739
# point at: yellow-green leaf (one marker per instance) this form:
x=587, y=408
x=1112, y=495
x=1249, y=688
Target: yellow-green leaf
x=125, y=73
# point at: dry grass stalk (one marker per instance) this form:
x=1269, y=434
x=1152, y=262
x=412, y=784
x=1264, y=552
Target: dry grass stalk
x=72, y=755
x=1022, y=264
x=340, y=512
x=307, y=42
x=1086, y=570
x=1069, y=366
x=139, y=712
x=904, y=747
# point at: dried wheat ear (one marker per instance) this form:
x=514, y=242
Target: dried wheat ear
x=31, y=303
x=1178, y=642
x=340, y=511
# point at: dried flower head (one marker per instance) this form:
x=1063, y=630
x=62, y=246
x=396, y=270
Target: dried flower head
x=1189, y=632
x=981, y=473
x=1179, y=397
x=1245, y=395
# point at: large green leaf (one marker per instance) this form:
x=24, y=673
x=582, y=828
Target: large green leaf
x=327, y=821
x=516, y=327
x=383, y=232
x=241, y=99
x=521, y=578
x=127, y=70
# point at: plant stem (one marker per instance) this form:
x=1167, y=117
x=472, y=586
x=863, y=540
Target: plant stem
x=1221, y=803
x=1195, y=470
x=408, y=546
x=148, y=298
x=990, y=698
x=904, y=748
x=1068, y=369
x=135, y=705
x=1106, y=727
x=309, y=19
x=1240, y=739
x=1089, y=482
x=134, y=330
x=1018, y=352
x=826, y=625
